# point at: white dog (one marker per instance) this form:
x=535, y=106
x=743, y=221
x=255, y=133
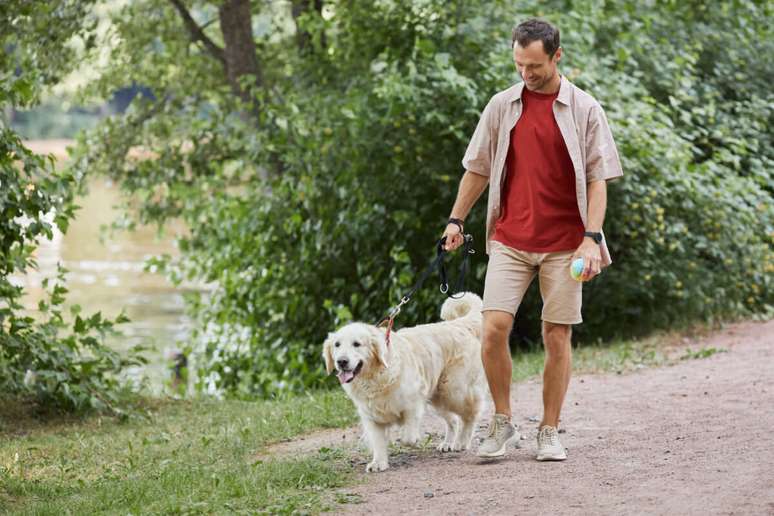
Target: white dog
x=390, y=384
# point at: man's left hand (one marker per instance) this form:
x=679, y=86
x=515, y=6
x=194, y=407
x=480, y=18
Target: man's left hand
x=592, y=258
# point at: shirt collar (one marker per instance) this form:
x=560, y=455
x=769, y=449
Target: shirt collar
x=563, y=97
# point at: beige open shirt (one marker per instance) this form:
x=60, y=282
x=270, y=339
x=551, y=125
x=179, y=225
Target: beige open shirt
x=585, y=131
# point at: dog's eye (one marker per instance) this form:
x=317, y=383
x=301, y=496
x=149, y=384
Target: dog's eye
x=337, y=344
x=356, y=344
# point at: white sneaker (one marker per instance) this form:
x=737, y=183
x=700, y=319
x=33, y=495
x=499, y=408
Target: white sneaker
x=501, y=434
x=549, y=447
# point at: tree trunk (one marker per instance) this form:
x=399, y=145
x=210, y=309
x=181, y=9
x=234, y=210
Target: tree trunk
x=239, y=51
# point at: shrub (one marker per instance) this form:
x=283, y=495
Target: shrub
x=325, y=206
x=58, y=362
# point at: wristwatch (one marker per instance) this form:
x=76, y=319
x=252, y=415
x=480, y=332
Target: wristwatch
x=458, y=222
x=596, y=237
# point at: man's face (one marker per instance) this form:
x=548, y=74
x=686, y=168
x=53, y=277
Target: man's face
x=536, y=68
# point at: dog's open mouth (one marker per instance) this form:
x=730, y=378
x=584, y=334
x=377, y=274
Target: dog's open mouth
x=348, y=376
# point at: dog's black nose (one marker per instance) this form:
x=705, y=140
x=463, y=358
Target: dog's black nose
x=343, y=362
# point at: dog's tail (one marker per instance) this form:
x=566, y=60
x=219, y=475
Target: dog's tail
x=468, y=305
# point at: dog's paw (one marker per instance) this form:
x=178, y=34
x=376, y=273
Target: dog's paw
x=451, y=447
x=377, y=465
x=445, y=447
x=409, y=440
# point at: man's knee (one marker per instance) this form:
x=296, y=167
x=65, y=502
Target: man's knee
x=557, y=340
x=496, y=329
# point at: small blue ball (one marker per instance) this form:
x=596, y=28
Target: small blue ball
x=576, y=269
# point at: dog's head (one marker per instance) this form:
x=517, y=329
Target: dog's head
x=354, y=349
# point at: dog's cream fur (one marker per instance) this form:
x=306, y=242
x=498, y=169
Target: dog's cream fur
x=438, y=363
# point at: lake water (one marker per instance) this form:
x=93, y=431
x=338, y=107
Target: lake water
x=108, y=276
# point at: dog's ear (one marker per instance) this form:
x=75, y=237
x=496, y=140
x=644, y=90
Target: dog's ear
x=379, y=343
x=328, y=353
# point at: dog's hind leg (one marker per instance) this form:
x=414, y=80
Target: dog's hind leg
x=377, y=439
x=451, y=430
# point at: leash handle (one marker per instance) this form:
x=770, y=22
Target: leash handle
x=464, y=267
x=439, y=264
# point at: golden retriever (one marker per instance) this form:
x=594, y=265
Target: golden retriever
x=390, y=384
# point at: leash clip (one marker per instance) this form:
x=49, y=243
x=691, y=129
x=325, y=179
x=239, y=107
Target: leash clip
x=396, y=309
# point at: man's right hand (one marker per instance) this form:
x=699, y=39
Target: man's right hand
x=454, y=237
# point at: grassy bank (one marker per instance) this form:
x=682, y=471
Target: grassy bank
x=180, y=458
x=191, y=457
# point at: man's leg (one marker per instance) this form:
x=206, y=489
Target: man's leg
x=556, y=373
x=562, y=299
x=496, y=356
x=508, y=275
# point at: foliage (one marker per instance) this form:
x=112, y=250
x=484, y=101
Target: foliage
x=320, y=203
x=57, y=362
x=692, y=223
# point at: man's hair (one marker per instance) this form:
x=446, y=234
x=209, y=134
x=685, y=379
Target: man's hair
x=534, y=30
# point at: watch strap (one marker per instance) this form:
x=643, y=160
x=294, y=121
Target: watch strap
x=459, y=222
x=596, y=237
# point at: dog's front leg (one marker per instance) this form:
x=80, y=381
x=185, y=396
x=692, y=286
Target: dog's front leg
x=377, y=438
x=412, y=425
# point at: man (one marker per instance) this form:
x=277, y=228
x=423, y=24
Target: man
x=546, y=151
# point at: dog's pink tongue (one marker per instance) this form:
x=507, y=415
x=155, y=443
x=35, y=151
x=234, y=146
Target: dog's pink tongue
x=345, y=376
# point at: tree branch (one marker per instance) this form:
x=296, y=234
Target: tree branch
x=197, y=34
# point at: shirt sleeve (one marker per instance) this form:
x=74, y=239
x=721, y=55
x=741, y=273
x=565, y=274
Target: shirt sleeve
x=602, y=161
x=478, y=156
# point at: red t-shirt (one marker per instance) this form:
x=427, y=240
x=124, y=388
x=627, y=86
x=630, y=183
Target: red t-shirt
x=539, y=208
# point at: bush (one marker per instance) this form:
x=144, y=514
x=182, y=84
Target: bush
x=326, y=207
x=57, y=362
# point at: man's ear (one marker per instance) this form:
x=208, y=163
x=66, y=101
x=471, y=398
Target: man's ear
x=558, y=54
x=328, y=353
x=379, y=342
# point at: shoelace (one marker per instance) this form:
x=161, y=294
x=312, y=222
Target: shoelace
x=493, y=427
x=548, y=436
x=496, y=427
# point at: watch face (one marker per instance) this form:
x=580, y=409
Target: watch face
x=596, y=237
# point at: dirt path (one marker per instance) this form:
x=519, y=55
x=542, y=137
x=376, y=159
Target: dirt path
x=694, y=438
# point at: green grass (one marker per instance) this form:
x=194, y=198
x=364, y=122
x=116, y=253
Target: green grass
x=201, y=457
x=182, y=458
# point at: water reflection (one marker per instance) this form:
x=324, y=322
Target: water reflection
x=108, y=276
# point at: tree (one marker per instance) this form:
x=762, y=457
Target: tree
x=316, y=175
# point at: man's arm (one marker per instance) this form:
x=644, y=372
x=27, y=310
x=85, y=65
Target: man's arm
x=472, y=185
x=596, y=193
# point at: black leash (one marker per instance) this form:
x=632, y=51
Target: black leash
x=439, y=264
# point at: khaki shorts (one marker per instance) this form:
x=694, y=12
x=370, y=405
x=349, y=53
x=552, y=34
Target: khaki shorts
x=511, y=271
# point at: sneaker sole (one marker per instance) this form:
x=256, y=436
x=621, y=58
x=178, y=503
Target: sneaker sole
x=547, y=458
x=499, y=453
